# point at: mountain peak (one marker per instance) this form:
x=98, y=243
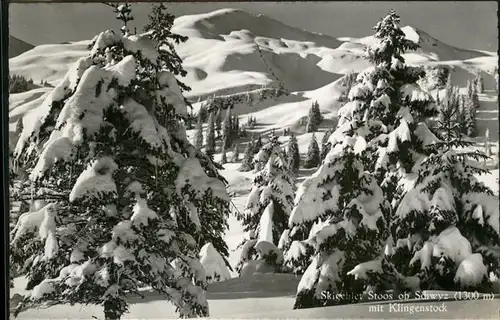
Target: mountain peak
x=18, y=46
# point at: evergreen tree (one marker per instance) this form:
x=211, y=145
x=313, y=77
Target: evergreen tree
x=160, y=24
x=441, y=220
x=227, y=136
x=479, y=84
x=293, y=155
x=18, y=84
x=224, y=156
x=210, y=138
x=471, y=109
x=462, y=115
x=203, y=113
x=199, y=134
x=314, y=118
x=313, y=158
x=120, y=206
x=317, y=113
x=257, y=145
x=218, y=122
x=325, y=146
x=341, y=213
x=470, y=88
x=271, y=199
x=247, y=162
x=236, y=153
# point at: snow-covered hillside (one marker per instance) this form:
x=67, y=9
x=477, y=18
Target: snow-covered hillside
x=223, y=56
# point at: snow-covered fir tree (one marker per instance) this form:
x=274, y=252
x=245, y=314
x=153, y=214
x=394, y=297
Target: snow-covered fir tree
x=257, y=145
x=247, y=162
x=448, y=122
x=472, y=106
x=325, y=146
x=341, y=212
x=314, y=118
x=123, y=192
x=444, y=230
x=198, y=138
x=313, y=157
x=271, y=199
x=293, y=155
x=338, y=221
x=210, y=135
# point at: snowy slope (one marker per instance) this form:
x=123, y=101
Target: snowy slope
x=222, y=54
x=270, y=296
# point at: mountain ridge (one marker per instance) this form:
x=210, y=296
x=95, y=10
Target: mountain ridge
x=18, y=46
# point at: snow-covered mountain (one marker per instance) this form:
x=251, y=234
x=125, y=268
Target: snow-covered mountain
x=231, y=51
x=222, y=54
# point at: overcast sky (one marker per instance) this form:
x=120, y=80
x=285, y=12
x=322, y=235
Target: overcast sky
x=470, y=24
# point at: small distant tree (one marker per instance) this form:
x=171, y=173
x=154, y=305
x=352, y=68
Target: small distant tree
x=314, y=118
x=313, y=158
x=479, y=84
x=203, y=113
x=198, y=140
x=487, y=143
x=18, y=84
x=293, y=155
x=218, y=122
x=462, y=114
x=236, y=153
x=471, y=110
x=242, y=132
x=210, y=139
x=258, y=145
x=227, y=135
x=247, y=162
x=224, y=156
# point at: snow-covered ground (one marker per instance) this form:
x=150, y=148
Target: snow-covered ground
x=221, y=56
x=271, y=296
